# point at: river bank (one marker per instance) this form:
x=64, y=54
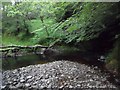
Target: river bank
x=58, y=74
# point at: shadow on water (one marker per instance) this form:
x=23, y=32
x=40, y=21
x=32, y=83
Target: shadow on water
x=88, y=58
x=10, y=63
x=59, y=53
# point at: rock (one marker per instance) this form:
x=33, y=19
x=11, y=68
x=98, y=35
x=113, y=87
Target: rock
x=78, y=85
x=35, y=82
x=42, y=87
x=70, y=86
x=102, y=59
x=61, y=86
x=30, y=80
x=46, y=76
x=9, y=82
x=49, y=86
x=18, y=85
x=3, y=87
x=58, y=74
x=15, y=80
x=62, y=75
x=34, y=87
x=22, y=77
x=28, y=77
x=27, y=85
x=96, y=67
x=91, y=80
x=13, y=87
x=48, y=81
x=22, y=80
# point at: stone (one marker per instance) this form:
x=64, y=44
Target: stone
x=91, y=80
x=14, y=83
x=28, y=77
x=18, y=85
x=62, y=75
x=12, y=87
x=47, y=76
x=49, y=86
x=70, y=86
x=34, y=83
x=30, y=80
x=14, y=80
x=61, y=87
x=22, y=80
x=42, y=87
x=58, y=74
x=34, y=87
x=27, y=85
x=3, y=87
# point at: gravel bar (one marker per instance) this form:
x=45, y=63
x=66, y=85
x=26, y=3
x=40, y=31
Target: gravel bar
x=58, y=74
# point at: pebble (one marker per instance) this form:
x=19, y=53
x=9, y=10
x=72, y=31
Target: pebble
x=22, y=80
x=2, y=87
x=58, y=74
x=27, y=84
x=28, y=77
x=61, y=87
x=70, y=86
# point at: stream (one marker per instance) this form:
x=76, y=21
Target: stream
x=11, y=63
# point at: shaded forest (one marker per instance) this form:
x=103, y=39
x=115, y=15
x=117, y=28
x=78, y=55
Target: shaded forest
x=91, y=27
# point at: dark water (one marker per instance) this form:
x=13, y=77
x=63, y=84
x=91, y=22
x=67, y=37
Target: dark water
x=33, y=59
x=22, y=61
x=10, y=63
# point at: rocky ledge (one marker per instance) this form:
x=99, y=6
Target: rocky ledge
x=58, y=74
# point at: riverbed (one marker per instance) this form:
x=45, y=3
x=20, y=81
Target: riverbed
x=58, y=74
x=24, y=71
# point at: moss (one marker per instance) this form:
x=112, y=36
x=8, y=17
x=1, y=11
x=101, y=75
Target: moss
x=113, y=60
x=112, y=65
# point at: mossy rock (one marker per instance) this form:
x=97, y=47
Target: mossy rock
x=112, y=65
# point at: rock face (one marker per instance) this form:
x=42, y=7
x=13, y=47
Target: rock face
x=58, y=74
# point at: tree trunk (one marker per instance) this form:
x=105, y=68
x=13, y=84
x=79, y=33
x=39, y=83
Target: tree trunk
x=17, y=27
x=41, y=18
x=26, y=28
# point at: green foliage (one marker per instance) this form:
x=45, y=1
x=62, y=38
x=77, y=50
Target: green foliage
x=67, y=21
x=13, y=20
x=8, y=40
x=47, y=23
x=90, y=21
x=39, y=30
x=113, y=59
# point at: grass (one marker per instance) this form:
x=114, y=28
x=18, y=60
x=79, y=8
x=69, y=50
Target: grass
x=36, y=24
x=36, y=27
x=12, y=40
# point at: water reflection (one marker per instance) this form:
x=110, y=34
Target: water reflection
x=22, y=61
